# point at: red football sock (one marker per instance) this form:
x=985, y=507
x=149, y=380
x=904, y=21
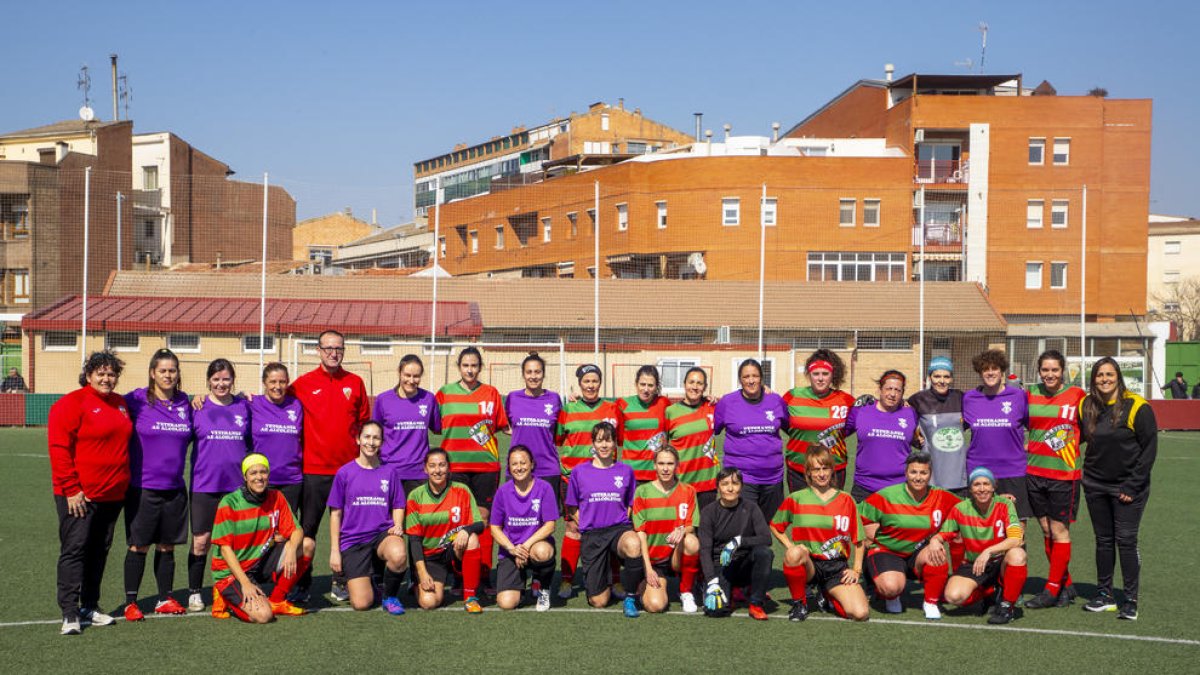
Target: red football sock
x=470, y=572
x=687, y=573
x=485, y=550
x=1060, y=556
x=283, y=584
x=976, y=595
x=570, y=557
x=933, y=577
x=958, y=549
x=1014, y=582
x=797, y=579
x=837, y=606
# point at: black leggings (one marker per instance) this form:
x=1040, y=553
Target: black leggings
x=84, y=544
x=1116, y=527
x=753, y=569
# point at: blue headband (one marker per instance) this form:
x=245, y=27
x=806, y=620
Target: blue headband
x=982, y=472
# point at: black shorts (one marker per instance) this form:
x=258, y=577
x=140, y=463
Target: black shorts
x=291, y=495
x=482, y=485
x=262, y=572
x=886, y=561
x=663, y=569
x=509, y=577
x=204, y=510
x=597, y=549
x=767, y=497
x=990, y=576
x=314, y=499
x=797, y=481
x=443, y=565
x=859, y=493
x=1053, y=499
x=828, y=573
x=156, y=516
x=1016, y=488
x=362, y=560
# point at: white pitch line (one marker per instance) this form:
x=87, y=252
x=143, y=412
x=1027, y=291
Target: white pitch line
x=24, y=454
x=736, y=615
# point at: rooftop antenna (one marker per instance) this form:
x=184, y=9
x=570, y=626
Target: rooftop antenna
x=85, y=83
x=983, y=28
x=125, y=92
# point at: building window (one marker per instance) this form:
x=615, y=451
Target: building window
x=870, y=213
x=636, y=148
x=149, y=177
x=1172, y=247
x=1037, y=151
x=673, y=373
x=592, y=220
x=121, y=342
x=59, y=341
x=662, y=215
x=1171, y=277
x=622, y=217
x=184, y=343
x=1058, y=213
x=885, y=343
x=768, y=371
x=853, y=266
x=546, y=230
x=251, y=344
x=1033, y=213
x=573, y=218
x=770, y=211
x=1058, y=275
x=20, y=286
x=1062, y=151
x=603, y=121
x=819, y=342
x=731, y=211
x=499, y=236
x=474, y=242
x=378, y=345
x=441, y=247
x=846, y=209
x=149, y=228
x=1033, y=275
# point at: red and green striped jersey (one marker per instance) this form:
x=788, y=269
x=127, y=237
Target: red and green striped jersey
x=657, y=514
x=436, y=519
x=981, y=530
x=690, y=430
x=574, y=431
x=1053, y=438
x=905, y=524
x=643, y=430
x=470, y=421
x=248, y=528
x=828, y=529
x=816, y=419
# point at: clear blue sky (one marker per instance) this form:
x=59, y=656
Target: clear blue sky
x=337, y=102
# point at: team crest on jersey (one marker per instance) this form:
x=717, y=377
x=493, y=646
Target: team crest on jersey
x=96, y=411
x=771, y=415
x=549, y=409
x=182, y=413
x=316, y=391
x=123, y=410
x=902, y=422
x=710, y=448
x=1006, y=407
x=347, y=391
x=239, y=420
x=383, y=484
x=423, y=409
x=836, y=547
x=657, y=442
x=619, y=481
x=536, y=504
x=292, y=415
x=948, y=439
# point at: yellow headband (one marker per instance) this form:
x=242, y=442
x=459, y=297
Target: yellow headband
x=252, y=459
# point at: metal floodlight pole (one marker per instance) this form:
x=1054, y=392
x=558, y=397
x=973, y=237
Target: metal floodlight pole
x=87, y=202
x=120, y=197
x=1083, y=290
x=437, y=249
x=921, y=320
x=262, y=291
x=762, y=266
x=596, y=276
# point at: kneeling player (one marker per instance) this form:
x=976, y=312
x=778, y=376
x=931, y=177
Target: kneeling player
x=366, y=525
x=599, y=495
x=665, y=516
x=443, y=525
x=257, y=542
x=824, y=526
x=524, y=513
x=902, y=521
x=989, y=525
x=735, y=548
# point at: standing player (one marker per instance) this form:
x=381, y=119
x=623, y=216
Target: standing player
x=250, y=524
x=472, y=415
x=156, y=503
x=992, y=532
x=335, y=407
x=817, y=414
x=1053, y=473
x=408, y=414
x=642, y=424
x=276, y=428
x=939, y=410
x=533, y=414
x=751, y=419
x=885, y=432
x=599, y=496
x=665, y=517
x=690, y=431
x=222, y=427
x=997, y=414
x=366, y=525
x=574, y=437
x=443, y=525
x=902, y=521
x=825, y=530
x=523, y=519
x=735, y=548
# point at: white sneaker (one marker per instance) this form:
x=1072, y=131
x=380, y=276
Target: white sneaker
x=95, y=617
x=70, y=627
x=689, y=603
x=543, y=601
x=893, y=606
x=195, y=603
x=932, y=611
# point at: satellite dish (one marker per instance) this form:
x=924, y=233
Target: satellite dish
x=87, y=114
x=696, y=260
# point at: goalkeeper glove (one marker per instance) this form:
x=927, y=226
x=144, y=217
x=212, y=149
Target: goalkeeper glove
x=865, y=399
x=714, y=597
x=730, y=549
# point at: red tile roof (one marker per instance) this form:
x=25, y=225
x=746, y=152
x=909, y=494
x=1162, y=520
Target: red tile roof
x=241, y=315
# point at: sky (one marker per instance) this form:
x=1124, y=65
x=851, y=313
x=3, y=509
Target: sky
x=335, y=101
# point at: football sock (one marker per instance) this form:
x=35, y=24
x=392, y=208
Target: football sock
x=689, y=568
x=797, y=580
x=933, y=577
x=1014, y=582
x=135, y=568
x=164, y=572
x=196, y=571
x=1060, y=557
x=570, y=557
x=470, y=572
x=284, y=583
x=632, y=574
x=392, y=582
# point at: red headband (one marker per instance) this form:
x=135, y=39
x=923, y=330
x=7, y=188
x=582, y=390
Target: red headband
x=818, y=364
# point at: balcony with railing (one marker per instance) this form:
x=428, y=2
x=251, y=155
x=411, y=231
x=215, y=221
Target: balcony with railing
x=939, y=237
x=950, y=172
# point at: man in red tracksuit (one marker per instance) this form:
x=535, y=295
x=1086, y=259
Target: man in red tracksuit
x=335, y=407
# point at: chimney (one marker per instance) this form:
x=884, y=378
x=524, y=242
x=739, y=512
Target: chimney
x=728, y=128
x=621, y=103
x=774, y=132
x=699, y=117
x=349, y=212
x=113, y=58
x=708, y=140
x=374, y=218
x=888, y=70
